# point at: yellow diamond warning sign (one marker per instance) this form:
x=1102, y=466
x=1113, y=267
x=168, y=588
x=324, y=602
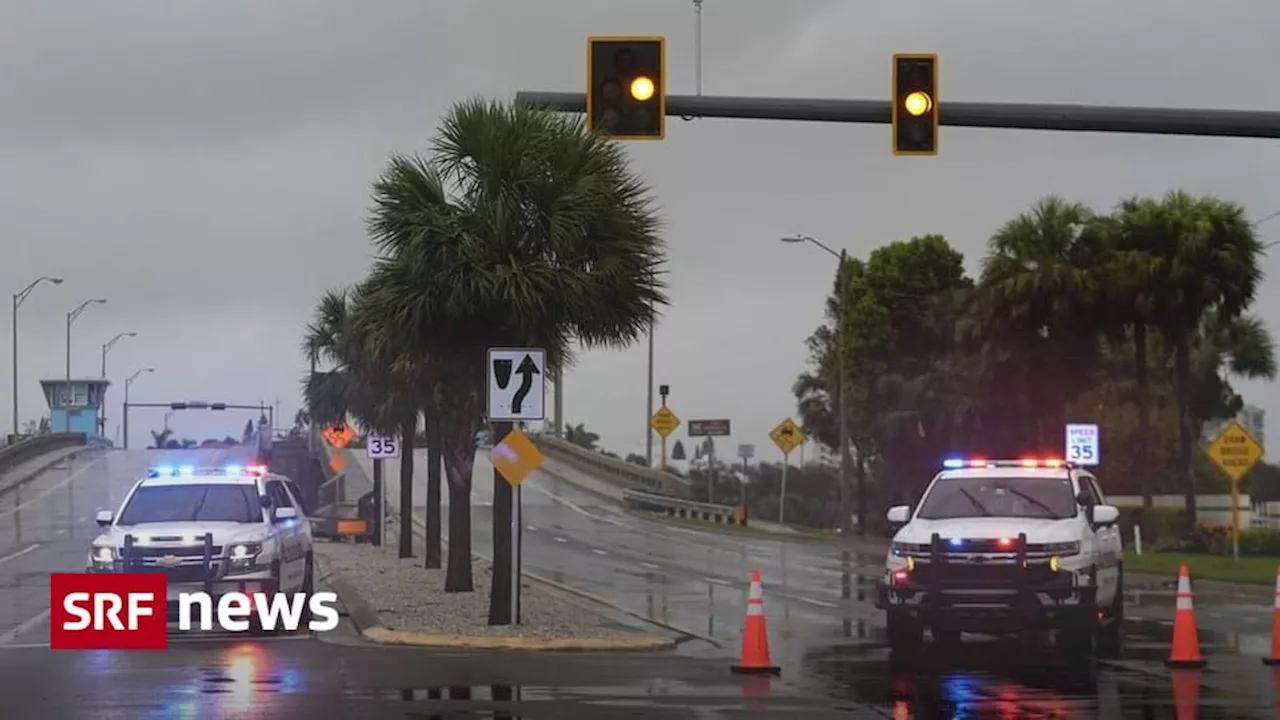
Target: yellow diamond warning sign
x=1235, y=451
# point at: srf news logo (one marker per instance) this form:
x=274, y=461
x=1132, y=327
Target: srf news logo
x=129, y=611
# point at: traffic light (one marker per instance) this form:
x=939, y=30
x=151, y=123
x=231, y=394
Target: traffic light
x=915, y=104
x=626, y=87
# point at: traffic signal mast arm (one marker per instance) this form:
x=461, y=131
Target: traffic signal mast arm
x=1020, y=116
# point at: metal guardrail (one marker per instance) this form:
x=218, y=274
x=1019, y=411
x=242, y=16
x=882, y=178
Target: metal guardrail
x=680, y=507
x=33, y=447
x=628, y=476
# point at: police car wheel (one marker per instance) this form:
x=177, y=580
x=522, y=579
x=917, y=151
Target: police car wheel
x=905, y=632
x=1111, y=635
x=309, y=577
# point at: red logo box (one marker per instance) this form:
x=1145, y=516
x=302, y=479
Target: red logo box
x=108, y=611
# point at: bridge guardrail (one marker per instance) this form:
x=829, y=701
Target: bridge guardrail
x=32, y=447
x=680, y=507
x=628, y=476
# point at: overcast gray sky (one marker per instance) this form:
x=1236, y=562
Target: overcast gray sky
x=205, y=166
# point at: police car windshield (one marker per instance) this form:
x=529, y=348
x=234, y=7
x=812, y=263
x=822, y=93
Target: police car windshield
x=193, y=503
x=1045, y=497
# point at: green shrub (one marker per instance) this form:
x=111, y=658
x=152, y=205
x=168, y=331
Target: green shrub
x=1260, y=542
x=1158, y=524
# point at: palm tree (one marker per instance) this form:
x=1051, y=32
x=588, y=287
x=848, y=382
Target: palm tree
x=1204, y=255
x=1032, y=316
x=579, y=435
x=524, y=230
x=362, y=385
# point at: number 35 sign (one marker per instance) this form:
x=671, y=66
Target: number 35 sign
x=382, y=448
x=1083, y=444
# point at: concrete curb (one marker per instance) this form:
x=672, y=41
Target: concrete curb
x=369, y=624
x=386, y=636
x=32, y=475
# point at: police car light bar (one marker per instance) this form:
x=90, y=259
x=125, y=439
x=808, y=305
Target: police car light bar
x=958, y=463
x=191, y=471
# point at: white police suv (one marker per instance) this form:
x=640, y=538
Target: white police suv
x=1000, y=547
x=233, y=528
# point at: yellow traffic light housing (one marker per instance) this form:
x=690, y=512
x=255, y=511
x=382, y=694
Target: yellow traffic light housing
x=915, y=104
x=626, y=87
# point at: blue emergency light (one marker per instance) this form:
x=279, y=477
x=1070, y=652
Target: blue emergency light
x=958, y=463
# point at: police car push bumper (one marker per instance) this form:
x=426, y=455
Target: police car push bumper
x=989, y=591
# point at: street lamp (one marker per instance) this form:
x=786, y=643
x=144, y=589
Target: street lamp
x=124, y=416
x=18, y=299
x=106, y=348
x=71, y=319
x=841, y=398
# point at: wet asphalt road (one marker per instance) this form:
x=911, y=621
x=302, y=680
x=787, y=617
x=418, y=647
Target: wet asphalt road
x=819, y=604
x=833, y=657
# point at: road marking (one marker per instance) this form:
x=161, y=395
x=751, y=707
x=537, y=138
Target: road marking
x=18, y=554
x=819, y=603
x=23, y=627
x=717, y=581
x=530, y=528
x=648, y=565
x=598, y=551
x=560, y=539
x=50, y=491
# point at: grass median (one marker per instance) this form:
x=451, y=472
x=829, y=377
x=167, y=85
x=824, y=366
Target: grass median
x=1245, y=571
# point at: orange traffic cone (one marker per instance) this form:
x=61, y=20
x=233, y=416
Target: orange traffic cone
x=1185, y=652
x=1274, y=658
x=755, y=638
x=1186, y=694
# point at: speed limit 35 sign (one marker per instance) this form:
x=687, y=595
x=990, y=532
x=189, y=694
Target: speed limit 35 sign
x=1084, y=446
x=382, y=448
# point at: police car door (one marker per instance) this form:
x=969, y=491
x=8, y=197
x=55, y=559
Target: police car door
x=291, y=550
x=1107, y=546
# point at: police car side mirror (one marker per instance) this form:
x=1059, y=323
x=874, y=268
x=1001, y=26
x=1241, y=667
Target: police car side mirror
x=284, y=513
x=898, y=514
x=1105, y=515
x=105, y=517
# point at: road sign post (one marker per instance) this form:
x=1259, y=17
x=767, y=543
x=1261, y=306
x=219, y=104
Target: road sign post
x=511, y=402
x=1083, y=444
x=708, y=429
x=1235, y=452
x=664, y=422
x=378, y=448
x=787, y=436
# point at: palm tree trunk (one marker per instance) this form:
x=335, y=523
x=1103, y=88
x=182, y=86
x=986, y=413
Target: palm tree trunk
x=1186, y=440
x=433, y=559
x=459, y=449
x=1142, y=374
x=408, y=429
x=500, y=587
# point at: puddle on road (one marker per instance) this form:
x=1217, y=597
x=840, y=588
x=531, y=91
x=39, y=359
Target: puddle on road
x=1006, y=678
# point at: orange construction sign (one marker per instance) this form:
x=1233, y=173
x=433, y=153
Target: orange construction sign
x=339, y=435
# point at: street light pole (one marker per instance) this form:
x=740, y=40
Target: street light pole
x=648, y=419
x=842, y=398
x=106, y=348
x=66, y=389
x=124, y=414
x=18, y=299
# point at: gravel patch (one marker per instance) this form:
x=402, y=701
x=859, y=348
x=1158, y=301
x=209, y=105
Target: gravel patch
x=410, y=597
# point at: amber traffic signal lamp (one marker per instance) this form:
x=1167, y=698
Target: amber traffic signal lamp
x=626, y=87
x=915, y=104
